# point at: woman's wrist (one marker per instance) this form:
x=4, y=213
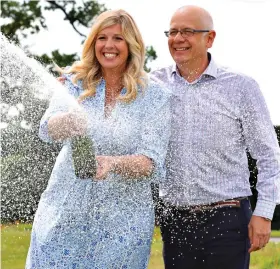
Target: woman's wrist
x=115, y=164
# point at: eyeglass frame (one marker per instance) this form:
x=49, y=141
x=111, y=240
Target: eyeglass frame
x=183, y=31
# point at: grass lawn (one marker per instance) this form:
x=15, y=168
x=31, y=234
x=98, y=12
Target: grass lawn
x=14, y=245
x=15, y=241
x=275, y=233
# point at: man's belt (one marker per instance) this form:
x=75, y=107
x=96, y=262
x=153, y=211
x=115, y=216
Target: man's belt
x=227, y=203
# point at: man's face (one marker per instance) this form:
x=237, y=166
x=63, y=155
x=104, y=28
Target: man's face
x=188, y=49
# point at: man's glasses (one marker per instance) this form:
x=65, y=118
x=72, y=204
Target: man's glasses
x=185, y=33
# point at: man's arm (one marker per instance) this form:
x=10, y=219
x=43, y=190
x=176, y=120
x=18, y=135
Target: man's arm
x=263, y=146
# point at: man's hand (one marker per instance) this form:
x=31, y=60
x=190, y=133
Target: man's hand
x=259, y=232
x=60, y=79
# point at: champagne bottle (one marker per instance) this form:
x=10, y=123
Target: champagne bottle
x=83, y=154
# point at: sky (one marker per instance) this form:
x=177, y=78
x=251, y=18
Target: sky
x=247, y=37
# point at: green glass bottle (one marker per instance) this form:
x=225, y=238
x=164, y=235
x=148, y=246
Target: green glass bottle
x=83, y=154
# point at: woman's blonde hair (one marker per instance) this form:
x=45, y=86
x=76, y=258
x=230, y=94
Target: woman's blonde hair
x=88, y=68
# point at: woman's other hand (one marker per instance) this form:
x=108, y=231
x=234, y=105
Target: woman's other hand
x=105, y=165
x=128, y=166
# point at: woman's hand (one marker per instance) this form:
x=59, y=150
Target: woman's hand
x=105, y=165
x=128, y=166
x=77, y=122
x=66, y=125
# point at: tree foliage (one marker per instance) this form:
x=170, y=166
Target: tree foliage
x=21, y=19
x=150, y=56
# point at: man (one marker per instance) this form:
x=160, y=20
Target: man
x=218, y=114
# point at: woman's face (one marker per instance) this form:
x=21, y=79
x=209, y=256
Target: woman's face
x=111, y=49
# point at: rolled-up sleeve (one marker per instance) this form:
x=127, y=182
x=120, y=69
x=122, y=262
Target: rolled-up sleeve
x=63, y=99
x=156, y=129
x=263, y=146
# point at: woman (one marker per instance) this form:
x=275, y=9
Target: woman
x=106, y=221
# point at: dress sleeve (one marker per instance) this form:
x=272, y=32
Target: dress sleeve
x=156, y=128
x=62, y=100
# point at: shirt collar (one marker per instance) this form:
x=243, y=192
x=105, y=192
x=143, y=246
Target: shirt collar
x=211, y=70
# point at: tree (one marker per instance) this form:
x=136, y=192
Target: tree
x=27, y=18
x=150, y=56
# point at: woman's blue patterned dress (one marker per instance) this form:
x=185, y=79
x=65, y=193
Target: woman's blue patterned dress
x=90, y=224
